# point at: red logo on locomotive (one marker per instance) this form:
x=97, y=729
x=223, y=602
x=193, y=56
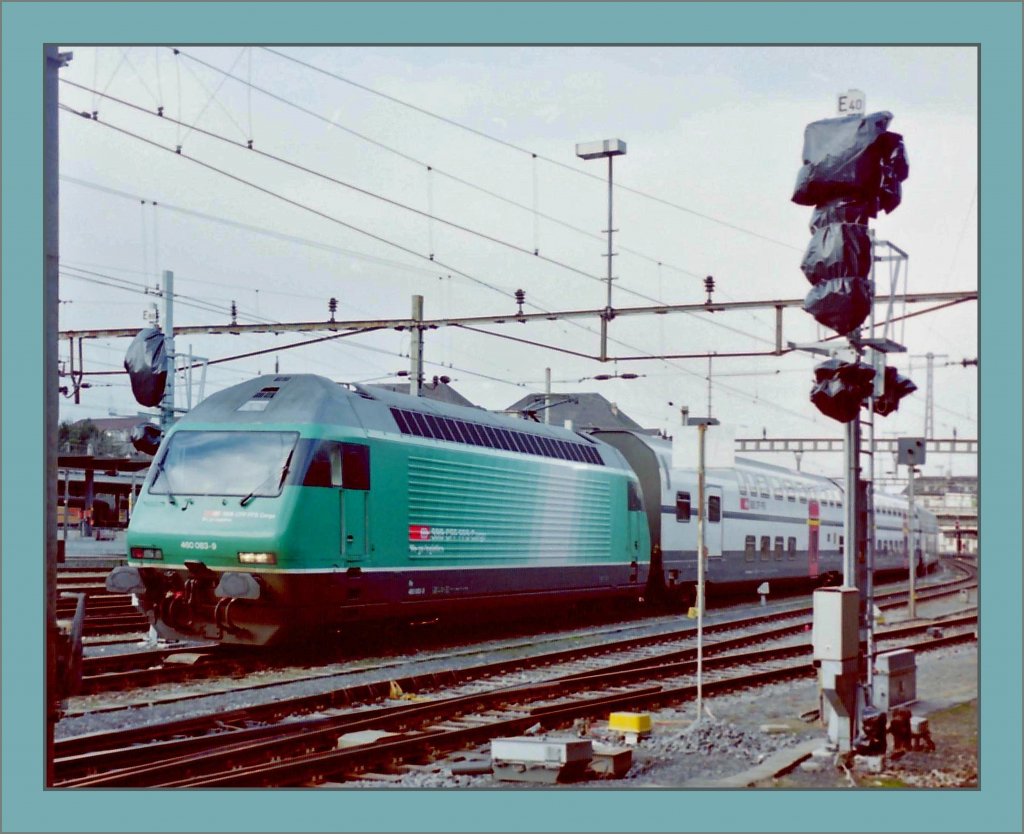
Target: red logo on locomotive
x=419, y=533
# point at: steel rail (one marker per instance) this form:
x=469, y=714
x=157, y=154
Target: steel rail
x=316, y=766
x=212, y=752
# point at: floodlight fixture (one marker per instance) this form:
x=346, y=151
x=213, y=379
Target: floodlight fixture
x=601, y=148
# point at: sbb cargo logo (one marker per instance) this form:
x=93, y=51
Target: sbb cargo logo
x=419, y=533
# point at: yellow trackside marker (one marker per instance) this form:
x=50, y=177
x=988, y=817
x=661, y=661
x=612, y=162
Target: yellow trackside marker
x=692, y=613
x=630, y=722
x=395, y=691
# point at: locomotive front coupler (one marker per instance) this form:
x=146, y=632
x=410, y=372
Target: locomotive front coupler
x=199, y=570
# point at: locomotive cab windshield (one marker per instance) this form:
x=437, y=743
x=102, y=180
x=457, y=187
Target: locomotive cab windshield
x=224, y=463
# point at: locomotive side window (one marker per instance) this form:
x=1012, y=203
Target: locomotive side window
x=355, y=466
x=324, y=467
x=792, y=547
x=683, y=507
x=714, y=508
x=333, y=464
x=766, y=548
x=748, y=548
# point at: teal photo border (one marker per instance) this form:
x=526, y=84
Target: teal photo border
x=995, y=26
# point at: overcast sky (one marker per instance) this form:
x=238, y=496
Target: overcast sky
x=714, y=140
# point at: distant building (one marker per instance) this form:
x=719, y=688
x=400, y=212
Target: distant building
x=586, y=412
x=954, y=501
x=434, y=390
x=112, y=437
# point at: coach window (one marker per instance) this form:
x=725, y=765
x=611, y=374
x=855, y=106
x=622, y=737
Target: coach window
x=766, y=548
x=802, y=493
x=790, y=493
x=776, y=489
x=840, y=543
x=792, y=547
x=748, y=548
x=762, y=483
x=742, y=481
x=778, y=548
x=714, y=508
x=683, y=507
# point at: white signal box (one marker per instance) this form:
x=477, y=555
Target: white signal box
x=834, y=633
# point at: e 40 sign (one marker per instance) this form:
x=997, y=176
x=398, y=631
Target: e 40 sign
x=852, y=103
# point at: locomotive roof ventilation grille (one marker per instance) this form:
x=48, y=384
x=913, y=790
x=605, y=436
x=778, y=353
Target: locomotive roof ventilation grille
x=454, y=430
x=261, y=399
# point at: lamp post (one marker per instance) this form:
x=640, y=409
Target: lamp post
x=596, y=150
x=702, y=424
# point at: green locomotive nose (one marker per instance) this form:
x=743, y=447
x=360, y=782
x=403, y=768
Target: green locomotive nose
x=216, y=497
x=214, y=530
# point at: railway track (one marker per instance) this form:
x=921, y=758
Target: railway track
x=151, y=667
x=116, y=756
x=307, y=750
x=105, y=613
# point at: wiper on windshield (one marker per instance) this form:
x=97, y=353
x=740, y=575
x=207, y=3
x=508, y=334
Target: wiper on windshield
x=280, y=479
x=160, y=469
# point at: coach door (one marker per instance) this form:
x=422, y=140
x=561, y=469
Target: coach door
x=813, y=528
x=713, y=529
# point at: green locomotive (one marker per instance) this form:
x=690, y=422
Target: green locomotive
x=291, y=505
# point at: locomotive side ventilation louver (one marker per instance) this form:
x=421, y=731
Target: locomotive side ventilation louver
x=454, y=430
x=260, y=400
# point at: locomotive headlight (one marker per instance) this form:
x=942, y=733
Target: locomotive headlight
x=257, y=558
x=147, y=553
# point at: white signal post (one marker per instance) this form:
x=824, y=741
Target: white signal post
x=702, y=424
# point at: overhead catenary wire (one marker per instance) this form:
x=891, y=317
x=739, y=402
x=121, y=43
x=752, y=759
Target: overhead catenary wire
x=515, y=147
x=438, y=171
x=431, y=217
x=288, y=200
x=333, y=122
x=130, y=286
x=260, y=230
x=431, y=256
x=116, y=282
x=305, y=207
x=456, y=271
x=212, y=100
